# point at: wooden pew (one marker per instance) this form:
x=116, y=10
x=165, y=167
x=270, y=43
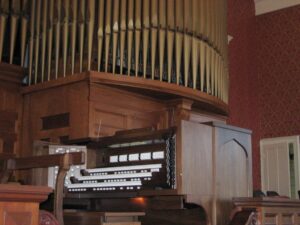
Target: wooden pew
x=63, y=161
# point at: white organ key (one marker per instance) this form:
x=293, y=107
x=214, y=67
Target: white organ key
x=105, y=184
x=115, y=176
x=120, y=168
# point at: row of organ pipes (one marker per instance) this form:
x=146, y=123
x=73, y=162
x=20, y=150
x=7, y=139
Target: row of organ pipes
x=177, y=41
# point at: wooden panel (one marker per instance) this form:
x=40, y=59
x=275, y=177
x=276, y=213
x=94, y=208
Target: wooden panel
x=1, y=145
x=94, y=110
x=287, y=219
x=48, y=103
x=221, y=155
x=19, y=213
x=196, y=156
x=10, y=107
x=7, y=126
x=17, y=218
x=271, y=219
x=102, y=218
x=232, y=176
x=233, y=168
x=117, y=110
x=40, y=175
x=8, y=132
x=159, y=89
x=56, y=121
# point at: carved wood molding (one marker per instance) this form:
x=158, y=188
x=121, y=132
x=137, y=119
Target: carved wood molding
x=23, y=193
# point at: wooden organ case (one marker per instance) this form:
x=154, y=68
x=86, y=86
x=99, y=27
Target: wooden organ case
x=103, y=71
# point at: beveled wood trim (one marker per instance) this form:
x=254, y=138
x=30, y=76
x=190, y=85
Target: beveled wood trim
x=229, y=127
x=266, y=201
x=24, y=193
x=55, y=83
x=142, y=134
x=136, y=84
x=44, y=161
x=157, y=86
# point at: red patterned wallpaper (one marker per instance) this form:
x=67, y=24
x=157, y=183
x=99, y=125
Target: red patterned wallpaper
x=278, y=55
x=264, y=73
x=243, y=104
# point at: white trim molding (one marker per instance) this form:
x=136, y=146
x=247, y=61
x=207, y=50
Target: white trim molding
x=266, y=6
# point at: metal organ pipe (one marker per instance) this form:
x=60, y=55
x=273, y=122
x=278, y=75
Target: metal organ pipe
x=74, y=13
x=182, y=42
x=65, y=19
x=24, y=24
x=100, y=31
x=15, y=13
x=44, y=36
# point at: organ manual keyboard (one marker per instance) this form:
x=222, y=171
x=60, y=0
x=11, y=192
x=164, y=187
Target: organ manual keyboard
x=129, y=165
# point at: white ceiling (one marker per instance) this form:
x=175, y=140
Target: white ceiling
x=265, y=6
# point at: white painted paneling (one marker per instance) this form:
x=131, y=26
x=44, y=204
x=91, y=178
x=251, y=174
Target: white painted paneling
x=272, y=170
x=283, y=169
x=275, y=165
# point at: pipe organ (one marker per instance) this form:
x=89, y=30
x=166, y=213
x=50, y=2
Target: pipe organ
x=140, y=83
x=181, y=42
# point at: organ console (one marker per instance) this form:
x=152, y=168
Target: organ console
x=134, y=170
x=137, y=165
x=162, y=169
x=144, y=162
